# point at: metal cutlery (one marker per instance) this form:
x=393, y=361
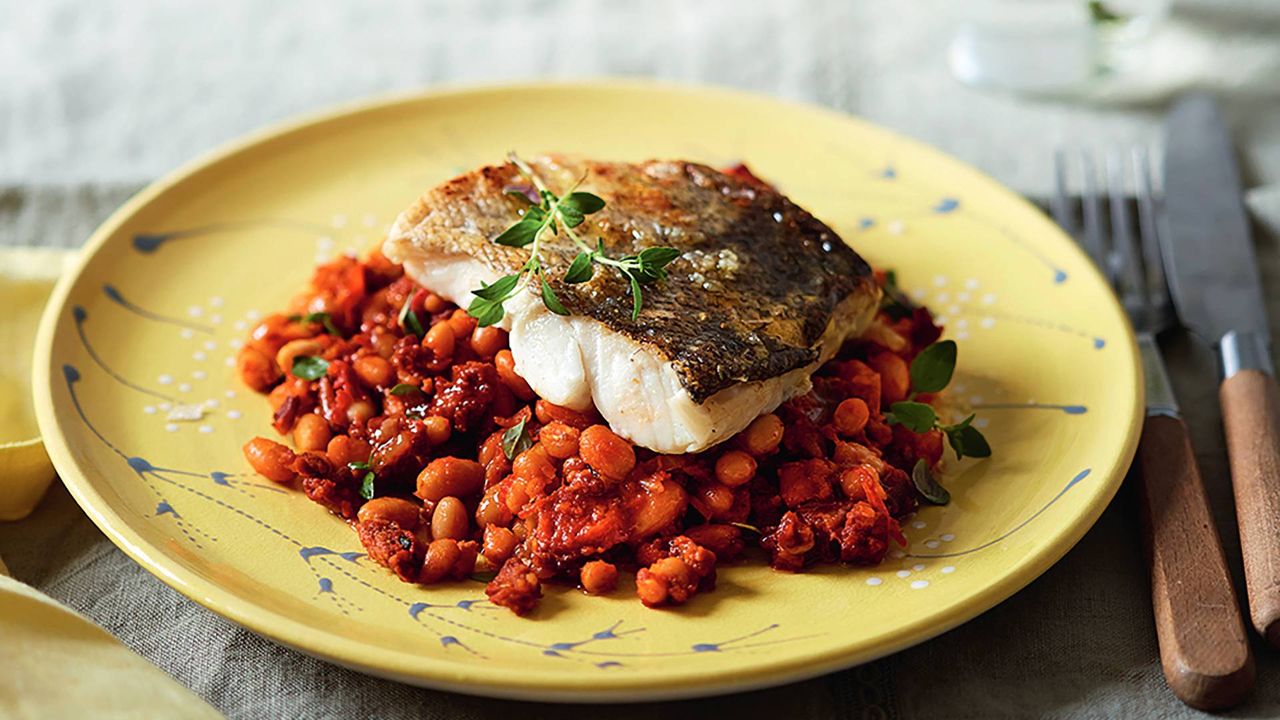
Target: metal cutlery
x=1203, y=648
x=1213, y=278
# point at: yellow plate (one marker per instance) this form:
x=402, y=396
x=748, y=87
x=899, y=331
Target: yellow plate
x=148, y=324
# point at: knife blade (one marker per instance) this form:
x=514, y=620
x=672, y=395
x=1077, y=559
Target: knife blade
x=1213, y=278
x=1209, y=257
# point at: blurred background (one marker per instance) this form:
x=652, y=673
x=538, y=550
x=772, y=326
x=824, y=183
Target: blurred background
x=124, y=90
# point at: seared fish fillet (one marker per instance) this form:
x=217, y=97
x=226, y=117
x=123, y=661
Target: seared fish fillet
x=762, y=294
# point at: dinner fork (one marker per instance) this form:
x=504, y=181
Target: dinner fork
x=1203, y=648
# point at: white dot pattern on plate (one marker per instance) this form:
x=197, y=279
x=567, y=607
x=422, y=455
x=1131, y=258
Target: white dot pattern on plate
x=873, y=581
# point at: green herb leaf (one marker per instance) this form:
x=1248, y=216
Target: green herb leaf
x=657, y=257
x=933, y=367
x=967, y=441
x=402, y=389
x=549, y=298
x=499, y=290
x=358, y=465
x=580, y=270
x=582, y=202
x=636, y=299
x=486, y=312
x=324, y=319
x=516, y=440
x=915, y=416
x=366, y=485
x=570, y=215
x=927, y=485
x=522, y=233
x=895, y=303
x=409, y=319
x=309, y=367
x=748, y=528
x=1100, y=14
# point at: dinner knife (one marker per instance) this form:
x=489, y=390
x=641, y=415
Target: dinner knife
x=1213, y=279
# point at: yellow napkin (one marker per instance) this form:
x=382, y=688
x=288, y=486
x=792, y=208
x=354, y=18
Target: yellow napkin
x=57, y=664
x=26, y=277
x=54, y=662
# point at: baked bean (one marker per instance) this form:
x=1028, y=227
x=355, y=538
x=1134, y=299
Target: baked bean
x=660, y=505
x=534, y=467
x=550, y=412
x=278, y=395
x=559, y=440
x=735, y=468
x=404, y=513
x=851, y=416
x=606, y=453
x=442, y=555
x=492, y=510
x=499, y=544
x=854, y=481
x=360, y=412
x=713, y=499
x=450, y=476
x=506, y=365
x=311, y=432
x=449, y=519
x=462, y=323
x=384, y=342
x=295, y=349
x=517, y=496
x=256, y=369
x=763, y=435
x=438, y=428
x=491, y=449
x=374, y=371
x=270, y=459
x=599, y=577
x=487, y=341
x=433, y=303
x=895, y=377
x=274, y=331
x=723, y=540
x=344, y=450
x=441, y=340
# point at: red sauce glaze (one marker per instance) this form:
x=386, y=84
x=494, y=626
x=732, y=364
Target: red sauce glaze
x=813, y=482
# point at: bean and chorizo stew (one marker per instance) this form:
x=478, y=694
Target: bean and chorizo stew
x=410, y=422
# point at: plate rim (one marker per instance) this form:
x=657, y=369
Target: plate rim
x=443, y=674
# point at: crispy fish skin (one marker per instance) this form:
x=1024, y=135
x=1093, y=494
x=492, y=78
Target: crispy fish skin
x=759, y=281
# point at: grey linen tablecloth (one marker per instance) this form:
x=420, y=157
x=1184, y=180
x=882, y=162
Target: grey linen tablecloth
x=96, y=99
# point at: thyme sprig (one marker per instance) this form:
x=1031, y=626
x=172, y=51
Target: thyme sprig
x=555, y=213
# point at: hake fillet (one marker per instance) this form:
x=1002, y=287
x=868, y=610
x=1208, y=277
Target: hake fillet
x=762, y=294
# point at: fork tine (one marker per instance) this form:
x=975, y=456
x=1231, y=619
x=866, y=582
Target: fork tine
x=1154, y=280
x=1060, y=205
x=1124, y=258
x=1093, y=239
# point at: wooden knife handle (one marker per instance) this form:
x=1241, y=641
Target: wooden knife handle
x=1203, y=647
x=1251, y=418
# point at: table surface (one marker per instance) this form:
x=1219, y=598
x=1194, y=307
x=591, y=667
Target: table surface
x=97, y=100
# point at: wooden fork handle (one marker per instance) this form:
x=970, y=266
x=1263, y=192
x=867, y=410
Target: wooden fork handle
x=1251, y=419
x=1203, y=648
